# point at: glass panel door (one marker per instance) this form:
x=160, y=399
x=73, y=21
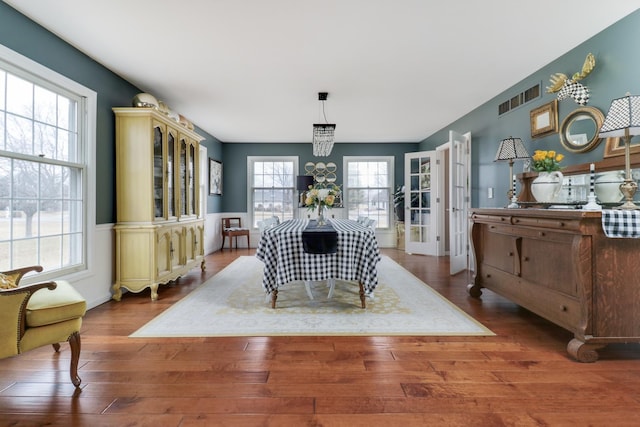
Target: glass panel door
x=171, y=197
x=183, y=177
x=158, y=173
x=420, y=221
x=192, y=178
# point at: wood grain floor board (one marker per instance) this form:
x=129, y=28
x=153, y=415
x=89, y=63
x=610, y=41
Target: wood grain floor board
x=520, y=377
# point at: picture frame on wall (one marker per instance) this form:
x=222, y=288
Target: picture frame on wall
x=615, y=147
x=215, y=177
x=544, y=119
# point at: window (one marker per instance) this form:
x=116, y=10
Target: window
x=44, y=152
x=368, y=188
x=272, y=189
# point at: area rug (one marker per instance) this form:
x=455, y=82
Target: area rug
x=233, y=303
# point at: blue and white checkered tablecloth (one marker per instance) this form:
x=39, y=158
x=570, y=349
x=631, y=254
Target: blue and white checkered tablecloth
x=281, y=251
x=621, y=223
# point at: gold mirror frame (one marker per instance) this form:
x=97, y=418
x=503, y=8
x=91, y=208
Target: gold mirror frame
x=615, y=147
x=589, y=142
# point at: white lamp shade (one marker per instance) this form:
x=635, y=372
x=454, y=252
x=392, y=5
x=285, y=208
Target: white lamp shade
x=623, y=115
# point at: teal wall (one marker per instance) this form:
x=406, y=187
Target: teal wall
x=617, y=71
x=22, y=35
x=235, y=163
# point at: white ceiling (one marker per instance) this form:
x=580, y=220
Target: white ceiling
x=395, y=70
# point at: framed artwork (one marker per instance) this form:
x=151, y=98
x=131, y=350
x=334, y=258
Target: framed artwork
x=615, y=147
x=544, y=119
x=215, y=177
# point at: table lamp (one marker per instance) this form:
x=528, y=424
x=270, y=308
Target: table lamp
x=511, y=149
x=623, y=120
x=302, y=185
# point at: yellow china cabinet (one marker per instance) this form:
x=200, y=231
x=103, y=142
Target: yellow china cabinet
x=160, y=229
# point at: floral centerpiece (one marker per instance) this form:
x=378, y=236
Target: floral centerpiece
x=321, y=197
x=547, y=160
x=547, y=185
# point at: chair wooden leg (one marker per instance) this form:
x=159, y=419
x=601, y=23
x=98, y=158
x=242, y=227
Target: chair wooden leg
x=56, y=347
x=223, y=241
x=74, y=343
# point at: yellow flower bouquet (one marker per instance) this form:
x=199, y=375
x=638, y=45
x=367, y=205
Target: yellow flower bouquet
x=547, y=160
x=321, y=197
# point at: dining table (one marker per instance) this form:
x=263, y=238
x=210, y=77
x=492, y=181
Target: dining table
x=303, y=250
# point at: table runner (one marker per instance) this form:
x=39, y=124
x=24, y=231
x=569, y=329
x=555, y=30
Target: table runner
x=621, y=223
x=319, y=239
x=281, y=250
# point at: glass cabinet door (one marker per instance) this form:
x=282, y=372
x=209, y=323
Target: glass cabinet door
x=158, y=173
x=171, y=197
x=183, y=176
x=192, y=180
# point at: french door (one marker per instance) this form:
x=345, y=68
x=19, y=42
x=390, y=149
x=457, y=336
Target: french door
x=421, y=222
x=459, y=199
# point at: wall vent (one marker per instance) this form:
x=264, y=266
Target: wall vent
x=520, y=99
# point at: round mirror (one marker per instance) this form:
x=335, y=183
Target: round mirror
x=579, y=131
x=331, y=167
x=321, y=167
x=309, y=167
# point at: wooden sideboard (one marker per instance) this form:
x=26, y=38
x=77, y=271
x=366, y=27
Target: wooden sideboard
x=560, y=265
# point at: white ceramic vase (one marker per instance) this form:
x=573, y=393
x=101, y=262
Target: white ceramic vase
x=607, y=187
x=546, y=187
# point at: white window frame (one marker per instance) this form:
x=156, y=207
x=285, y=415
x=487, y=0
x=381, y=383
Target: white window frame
x=28, y=69
x=390, y=160
x=251, y=160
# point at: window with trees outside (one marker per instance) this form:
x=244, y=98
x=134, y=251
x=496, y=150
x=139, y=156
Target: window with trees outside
x=368, y=188
x=43, y=168
x=272, y=189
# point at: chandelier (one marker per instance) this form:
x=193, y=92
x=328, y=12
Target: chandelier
x=323, y=134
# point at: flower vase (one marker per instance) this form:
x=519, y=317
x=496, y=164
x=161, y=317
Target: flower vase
x=321, y=220
x=546, y=187
x=607, y=187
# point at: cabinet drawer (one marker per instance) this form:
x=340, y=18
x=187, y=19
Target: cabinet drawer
x=554, y=306
x=500, y=251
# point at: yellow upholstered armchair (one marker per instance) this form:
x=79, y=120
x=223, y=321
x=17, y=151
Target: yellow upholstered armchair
x=32, y=316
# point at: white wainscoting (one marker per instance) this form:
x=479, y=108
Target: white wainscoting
x=213, y=233
x=94, y=284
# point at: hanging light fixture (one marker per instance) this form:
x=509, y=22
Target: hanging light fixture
x=323, y=134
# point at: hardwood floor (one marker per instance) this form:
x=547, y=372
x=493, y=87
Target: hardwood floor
x=521, y=377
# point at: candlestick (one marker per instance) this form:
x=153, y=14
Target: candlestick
x=592, y=205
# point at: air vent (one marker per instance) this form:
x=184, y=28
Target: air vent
x=520, y=99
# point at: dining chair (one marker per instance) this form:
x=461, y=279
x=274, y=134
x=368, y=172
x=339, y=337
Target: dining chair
x=232, y=228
